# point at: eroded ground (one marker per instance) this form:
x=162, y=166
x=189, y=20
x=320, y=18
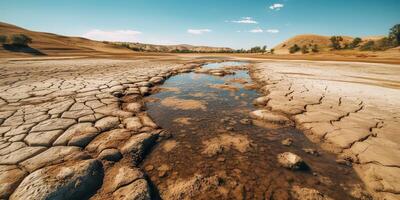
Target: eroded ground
x=78, y=129
x=215, y=152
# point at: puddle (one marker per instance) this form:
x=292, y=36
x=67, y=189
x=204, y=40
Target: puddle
x=215, y=154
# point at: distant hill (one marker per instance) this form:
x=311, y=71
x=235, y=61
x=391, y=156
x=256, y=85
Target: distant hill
x=53, y=44
x=172, y=48
x=322, y=41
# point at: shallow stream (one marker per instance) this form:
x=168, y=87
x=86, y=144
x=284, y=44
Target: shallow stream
x=208, y=117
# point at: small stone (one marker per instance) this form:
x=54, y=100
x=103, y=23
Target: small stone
x=308, y=193
x=229, y=128
x=291, y=161
x=137, y=190
x=344, y=162
x=133, y=123
x=107, y=123
x=245, y=121
x=134, y=107
x=149, y=168
x=287, y=142
x=311, y=151
x=110, y=155
x=268, y=116
x=144, y=90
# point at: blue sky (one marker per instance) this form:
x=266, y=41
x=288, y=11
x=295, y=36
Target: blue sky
x=231, y=23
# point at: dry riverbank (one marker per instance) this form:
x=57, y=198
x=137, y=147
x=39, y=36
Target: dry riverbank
x=78, y=126
x=352, y=109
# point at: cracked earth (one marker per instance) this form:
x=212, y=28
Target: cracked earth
x=351, y=109
x=78, y=129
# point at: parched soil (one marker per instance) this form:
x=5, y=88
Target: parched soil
x=85, y=128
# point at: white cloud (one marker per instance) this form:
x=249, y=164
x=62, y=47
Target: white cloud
x=198, y=31
x=259, y=30
x=276, y=6
x=116, y=35
x=256, y=30
x=272, y=30
x=245, y=20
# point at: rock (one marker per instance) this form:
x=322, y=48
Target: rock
x=134, y=107
x=44, y=138
x=107, y=123
x=343, y=162
x=156, y=80
x=51, y=156
x=20, y=155
x=110, y=155
x=147, y=121
x=245, y=121
x=133, y=123
x=268, y=116
x=53, y=124
x=119, y=176
x=261, y=101
x=311, y=151
x=144, y=90
x=380, y=178
x=162, y=170
x=291, y=161
x=77, y=133
x=138, y=190
x=307, y=194
x=10, y=177
x=137, y=145
x=287, y=142
x=149, y=168
x=74, y=180
x=109, y=139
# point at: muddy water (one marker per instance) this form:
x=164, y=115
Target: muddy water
x=215, y=154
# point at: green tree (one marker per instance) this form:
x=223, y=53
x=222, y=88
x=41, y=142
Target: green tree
x=3, y=39
x=272, y=51
x=335, y=40
x=368, y=46
x=293, y=49
x=394, y=34
x=264, y=49
x=355, y=43
x=20, y=40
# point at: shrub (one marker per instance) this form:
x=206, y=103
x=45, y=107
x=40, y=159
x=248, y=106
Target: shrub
x=304, y=49
x=355, y=43
x=293, y=49
x=20, y=40
x=368, y=46
x=394, y=34
x=272, y=51
x=315, y=48
x=3, y=39
x=335, y=40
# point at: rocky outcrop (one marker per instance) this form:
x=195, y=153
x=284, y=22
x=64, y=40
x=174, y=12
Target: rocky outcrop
x=73, y=180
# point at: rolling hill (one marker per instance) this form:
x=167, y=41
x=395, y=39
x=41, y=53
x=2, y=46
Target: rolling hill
x=323, y=42
x=56, y=45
